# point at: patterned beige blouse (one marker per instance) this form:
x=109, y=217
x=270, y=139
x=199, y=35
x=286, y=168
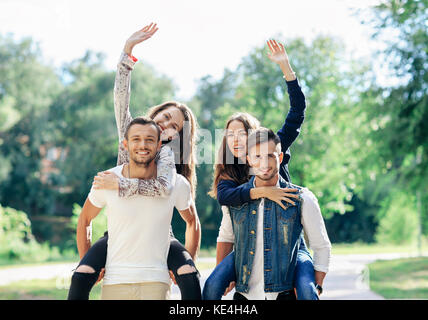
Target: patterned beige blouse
x=166, y=171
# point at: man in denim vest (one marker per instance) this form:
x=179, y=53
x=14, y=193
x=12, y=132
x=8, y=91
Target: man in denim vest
x=266, y=237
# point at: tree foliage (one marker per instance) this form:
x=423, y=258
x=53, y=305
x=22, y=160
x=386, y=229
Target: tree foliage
x=362, y=148
x=399, y=118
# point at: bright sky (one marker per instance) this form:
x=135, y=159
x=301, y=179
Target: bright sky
x=195, y=37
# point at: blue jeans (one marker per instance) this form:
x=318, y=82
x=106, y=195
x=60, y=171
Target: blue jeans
x=304, y=277
x=224, y=273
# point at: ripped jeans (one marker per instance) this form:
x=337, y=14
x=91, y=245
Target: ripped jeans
x=95, y=258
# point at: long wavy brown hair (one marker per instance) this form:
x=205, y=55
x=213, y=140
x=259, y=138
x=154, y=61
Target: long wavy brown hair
x=236, y=171
x=186, y=165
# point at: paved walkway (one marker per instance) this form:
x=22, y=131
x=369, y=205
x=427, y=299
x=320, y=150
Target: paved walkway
x=47, y=271
x=348, y=278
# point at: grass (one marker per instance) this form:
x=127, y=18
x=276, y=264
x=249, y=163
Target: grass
x=400, y=278
x=51, y=289
x=373, y=248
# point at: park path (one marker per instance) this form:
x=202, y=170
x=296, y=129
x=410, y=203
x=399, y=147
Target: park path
x=348, y=278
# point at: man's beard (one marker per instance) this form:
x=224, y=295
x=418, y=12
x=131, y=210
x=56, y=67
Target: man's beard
x=274, y=172
x=144, y=163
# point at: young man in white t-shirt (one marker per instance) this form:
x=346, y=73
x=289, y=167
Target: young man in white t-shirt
x=138, y=227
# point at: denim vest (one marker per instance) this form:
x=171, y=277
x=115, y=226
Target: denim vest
x=282, y=235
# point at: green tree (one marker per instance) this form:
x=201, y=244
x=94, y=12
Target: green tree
x=399, y=119
x=211, y=95
x=27, y=87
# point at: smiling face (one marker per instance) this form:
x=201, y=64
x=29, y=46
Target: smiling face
x=142, y=144
x=170, y=121
x=236, y=138
x=265, y=159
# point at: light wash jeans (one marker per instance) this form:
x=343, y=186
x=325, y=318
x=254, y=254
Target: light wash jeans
x=224, y=273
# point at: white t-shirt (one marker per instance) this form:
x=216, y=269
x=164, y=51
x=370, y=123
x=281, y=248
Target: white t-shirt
x=138, y=229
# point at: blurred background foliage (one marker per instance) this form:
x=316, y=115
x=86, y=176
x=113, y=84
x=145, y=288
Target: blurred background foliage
x=362, y=148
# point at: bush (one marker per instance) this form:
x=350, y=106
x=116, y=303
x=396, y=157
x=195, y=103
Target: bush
x=399, y=220
x=18, y=243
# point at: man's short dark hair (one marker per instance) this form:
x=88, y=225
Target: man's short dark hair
x=143, y=121
x=262, y=135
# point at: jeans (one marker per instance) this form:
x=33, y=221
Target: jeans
x=304, y=277
x=82, y=283
x=224, y=273
x=220, y=278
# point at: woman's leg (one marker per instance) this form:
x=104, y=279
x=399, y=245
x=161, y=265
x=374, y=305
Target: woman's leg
x=304, y=277
x=88, y=270
x=182, y=266
x=220, y=278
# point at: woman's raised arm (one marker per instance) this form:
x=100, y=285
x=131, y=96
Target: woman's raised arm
x=122, y=86
x=295, y=116
x=166, y=171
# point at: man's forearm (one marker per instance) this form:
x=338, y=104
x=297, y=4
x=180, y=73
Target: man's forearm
x=223, y=249
x=193, y=237
x=83, y=243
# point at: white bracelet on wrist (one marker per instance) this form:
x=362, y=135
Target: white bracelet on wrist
x=290, y=75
